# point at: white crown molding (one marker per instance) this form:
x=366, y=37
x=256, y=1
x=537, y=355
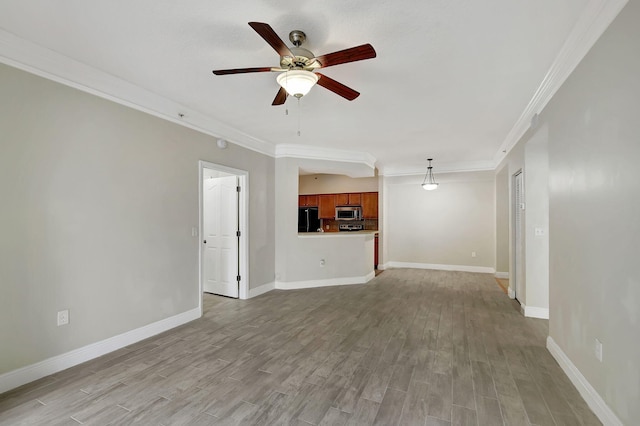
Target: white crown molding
x=24, y=375
x=38, y=60
x=594, y=20
x=463, y=166
x=30, y=57
x=322, y=153
x=590, y=395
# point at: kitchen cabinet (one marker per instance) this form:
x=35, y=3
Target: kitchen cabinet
x=370, y=205
x=349, y=199
x=355, y=199
x=307, y=201
x=327, y=203
x=327, y=206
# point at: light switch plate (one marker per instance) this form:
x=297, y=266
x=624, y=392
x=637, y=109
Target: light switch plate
x=598, y=350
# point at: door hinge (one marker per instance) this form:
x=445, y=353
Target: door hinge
x=238, y=188
x=237, y=233
x=238, y=278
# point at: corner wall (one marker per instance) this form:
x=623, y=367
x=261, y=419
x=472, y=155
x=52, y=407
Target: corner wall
x=441, y=228
x=594, y=227
x=536, y=192
x=98, y=206
x=502, y=223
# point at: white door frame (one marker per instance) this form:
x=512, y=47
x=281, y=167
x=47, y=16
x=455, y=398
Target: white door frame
x=517, y=281
x=243, y=223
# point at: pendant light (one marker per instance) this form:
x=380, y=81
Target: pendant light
x=429, y=183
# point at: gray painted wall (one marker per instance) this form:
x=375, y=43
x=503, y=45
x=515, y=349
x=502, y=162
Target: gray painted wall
x=594, y=212
x=98, y=203
x=502, y=220
x=442, y=226
x=536, y=184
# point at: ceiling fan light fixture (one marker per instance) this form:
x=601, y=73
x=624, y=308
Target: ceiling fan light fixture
x=297, y=82
x=429, y=183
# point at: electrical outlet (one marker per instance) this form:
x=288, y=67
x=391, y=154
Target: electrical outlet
x=598, y=350
x=63, y=317
x=473, y=254
x=322, y=262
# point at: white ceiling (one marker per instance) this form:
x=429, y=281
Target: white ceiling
x=450, y=81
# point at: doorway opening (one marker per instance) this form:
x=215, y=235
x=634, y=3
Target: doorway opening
x=223, y=254
x=518, y=237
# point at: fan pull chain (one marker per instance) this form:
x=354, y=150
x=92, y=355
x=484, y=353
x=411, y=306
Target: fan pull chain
x=299, y=114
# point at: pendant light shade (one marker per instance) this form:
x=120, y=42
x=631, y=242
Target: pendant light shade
x=297, y=82
x=429, y=183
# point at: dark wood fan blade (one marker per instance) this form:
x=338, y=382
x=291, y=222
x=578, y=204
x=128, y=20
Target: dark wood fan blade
x=358, y=53
x=336, y=87
x=241, y=70
x=280, y=98
x=266, y=32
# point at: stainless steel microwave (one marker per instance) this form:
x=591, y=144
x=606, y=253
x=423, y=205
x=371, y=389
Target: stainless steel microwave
x=349, y=213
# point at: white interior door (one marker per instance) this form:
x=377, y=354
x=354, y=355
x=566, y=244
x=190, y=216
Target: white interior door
x=220, y=228
x=518, y=240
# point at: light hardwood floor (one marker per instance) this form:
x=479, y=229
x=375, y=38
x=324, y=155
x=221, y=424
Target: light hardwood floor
x=412, y=347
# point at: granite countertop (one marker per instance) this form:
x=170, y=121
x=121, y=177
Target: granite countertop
x=337, y=234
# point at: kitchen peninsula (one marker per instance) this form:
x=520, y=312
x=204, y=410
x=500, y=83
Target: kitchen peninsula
x=332, y=257
x=338, y=258
x=338, y=232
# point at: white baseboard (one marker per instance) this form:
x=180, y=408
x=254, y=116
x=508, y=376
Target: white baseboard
x=24, y=375
x=511, y=292
x=461, y=268
x=535, y=312
x=383, y=266
x=292, y=285
x=502, y=275
x=264, y=288
x=592, y=398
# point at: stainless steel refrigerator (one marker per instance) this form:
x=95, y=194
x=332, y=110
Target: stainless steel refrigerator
x=308, y=219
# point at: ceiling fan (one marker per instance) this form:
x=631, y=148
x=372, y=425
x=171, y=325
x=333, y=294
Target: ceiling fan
x=297, y=65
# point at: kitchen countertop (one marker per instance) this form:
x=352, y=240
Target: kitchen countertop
x=336, y=234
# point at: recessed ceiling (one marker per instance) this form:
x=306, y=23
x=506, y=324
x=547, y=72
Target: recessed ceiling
x=450, y=80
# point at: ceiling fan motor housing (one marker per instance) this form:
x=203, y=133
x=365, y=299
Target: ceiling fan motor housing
x=303, y=59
